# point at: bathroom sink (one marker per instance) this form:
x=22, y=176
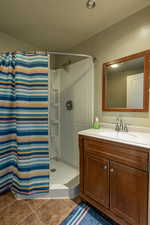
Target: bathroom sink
x=119, y=135
x=112, y=133
x=129, y=136
x=135, y=138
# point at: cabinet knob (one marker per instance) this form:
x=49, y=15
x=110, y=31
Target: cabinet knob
x=111, y=170
x=105, y=167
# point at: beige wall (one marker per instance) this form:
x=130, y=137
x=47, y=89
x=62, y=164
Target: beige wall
x=130, y=36
x=8, y=43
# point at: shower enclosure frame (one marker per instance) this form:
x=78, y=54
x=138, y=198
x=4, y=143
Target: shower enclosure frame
x=72, y=192
x=71, y=54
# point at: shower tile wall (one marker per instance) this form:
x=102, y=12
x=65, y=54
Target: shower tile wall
x=76, y=85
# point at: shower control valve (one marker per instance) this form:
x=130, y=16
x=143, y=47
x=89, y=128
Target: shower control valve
x=69, y=105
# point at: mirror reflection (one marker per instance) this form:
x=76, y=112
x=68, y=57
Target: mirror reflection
x=125, y=84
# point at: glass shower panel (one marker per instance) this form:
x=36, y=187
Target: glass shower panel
x=76, y=86
x=70, y=82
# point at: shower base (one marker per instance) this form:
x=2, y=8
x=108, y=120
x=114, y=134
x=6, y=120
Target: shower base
x=64, y=180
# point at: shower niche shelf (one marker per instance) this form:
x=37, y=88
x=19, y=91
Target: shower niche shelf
x=54, y=96
x=55, y=122
x=54, y=130
x=54, y=104
x=54, y=112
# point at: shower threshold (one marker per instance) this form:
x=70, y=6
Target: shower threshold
x=64, y=180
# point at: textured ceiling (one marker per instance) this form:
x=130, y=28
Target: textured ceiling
x=62, y=24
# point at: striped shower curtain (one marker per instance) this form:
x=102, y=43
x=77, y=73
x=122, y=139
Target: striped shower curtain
x=24, y=158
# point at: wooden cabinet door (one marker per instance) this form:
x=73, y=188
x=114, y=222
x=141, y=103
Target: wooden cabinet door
x=129, y=193
x=96, y=178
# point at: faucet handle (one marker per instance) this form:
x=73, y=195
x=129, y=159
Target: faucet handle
x=121, y=124
x=117, y=127
x=117, y=119
x=125, y=127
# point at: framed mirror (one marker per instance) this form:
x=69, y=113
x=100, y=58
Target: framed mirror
x=126, y=83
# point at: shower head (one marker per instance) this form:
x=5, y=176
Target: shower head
x=91, y=4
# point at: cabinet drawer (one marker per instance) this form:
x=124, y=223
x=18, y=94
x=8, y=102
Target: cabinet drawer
x=127, y=154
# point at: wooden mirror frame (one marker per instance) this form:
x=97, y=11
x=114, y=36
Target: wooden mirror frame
x=146, y=55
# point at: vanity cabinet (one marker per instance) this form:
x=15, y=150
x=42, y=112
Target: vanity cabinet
x=128, y=193
x=114, y=179
x=96, y=172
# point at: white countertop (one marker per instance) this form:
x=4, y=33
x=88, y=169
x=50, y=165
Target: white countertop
x=137, y=136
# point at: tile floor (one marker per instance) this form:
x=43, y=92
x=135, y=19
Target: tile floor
x=34, y=212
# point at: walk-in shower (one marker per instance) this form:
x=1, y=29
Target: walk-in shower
x=70, y=110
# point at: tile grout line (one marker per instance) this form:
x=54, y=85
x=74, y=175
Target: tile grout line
x=35, y=213
x=9, y=206
x=25, y=216
x=34, y=210
x=9, y=203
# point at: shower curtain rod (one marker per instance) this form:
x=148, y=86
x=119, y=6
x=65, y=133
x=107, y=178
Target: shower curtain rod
x=48, y=52
x=24, y=51
x=52, y=53
x=71, y=54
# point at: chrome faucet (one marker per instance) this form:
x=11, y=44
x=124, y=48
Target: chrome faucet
x=117, y=127
x=125, y=127
x=120, y=125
